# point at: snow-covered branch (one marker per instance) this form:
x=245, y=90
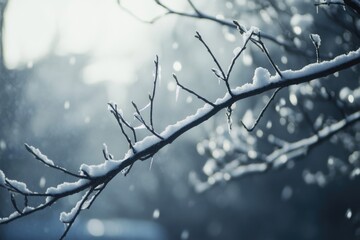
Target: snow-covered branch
x=95, y=177
x=91, y=180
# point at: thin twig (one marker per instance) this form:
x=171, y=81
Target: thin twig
x=268, y=56
x=233, y=60
x=120, y=121
x=139, y=117
x=30, y=150
x=119, y=116
x=69, y=224
x=262, y=112
x=151, y=21
x=13, y=201
x=192, y=92
x=97, y=194
x=197, y=11
x=151, y=98
x=198, y=36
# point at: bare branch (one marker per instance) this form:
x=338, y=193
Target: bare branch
x=266, y=51
x=262, y=112
x=197, y=11
x=13, y=201
x=151, y=21
x=151, y=98
x=192, y=92
x=237, y=55
x=119, y=118
x=42, y=158
x=139, y=117
x=198, y=36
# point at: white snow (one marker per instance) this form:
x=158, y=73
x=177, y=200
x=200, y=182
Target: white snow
x=236, y=51
x=246, y=35
x=19, y=186
x=43, y=157
x=48, y=199
x=261, y=77
x=27, y=209
x=11, y=216
x=254, y=30
x=317, y=67
x=145, y=143
x=141, y=126
x=217, y=72
x=100, y=169
x=67, y=217
x=87, y=203
x=171, y=129
x=66, y=187
x=316, y=39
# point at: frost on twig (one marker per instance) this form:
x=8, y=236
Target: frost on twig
x=315, y=38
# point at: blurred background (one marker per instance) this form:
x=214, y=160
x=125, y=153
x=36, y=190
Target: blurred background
x=62, y=61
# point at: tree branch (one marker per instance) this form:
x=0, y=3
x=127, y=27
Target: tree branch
x=99, y=175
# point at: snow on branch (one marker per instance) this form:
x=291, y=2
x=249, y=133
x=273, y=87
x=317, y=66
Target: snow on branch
x=92, y=179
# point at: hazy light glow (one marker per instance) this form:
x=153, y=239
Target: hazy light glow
x=111, y=38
